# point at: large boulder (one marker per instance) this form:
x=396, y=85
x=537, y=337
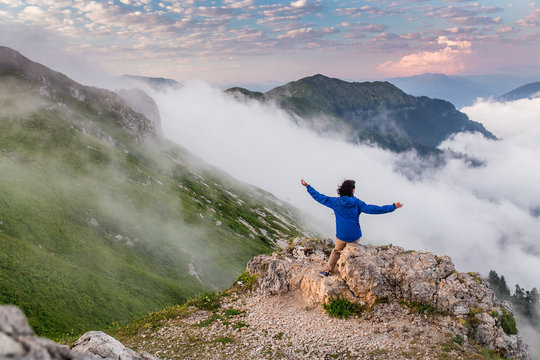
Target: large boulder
x=103, y=346
x=18, y=341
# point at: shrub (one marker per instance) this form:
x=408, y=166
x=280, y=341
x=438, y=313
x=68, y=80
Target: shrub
x=508, y=323
x=209, y=301
x=418, y=307
x=246, y=280
x=458, y=340
x=342, y=308
x=224, y=340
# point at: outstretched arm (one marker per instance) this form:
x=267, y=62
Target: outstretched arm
x=375, y=209
x=323, y=199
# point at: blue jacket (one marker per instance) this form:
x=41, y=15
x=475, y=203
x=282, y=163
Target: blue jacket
x=347, y=210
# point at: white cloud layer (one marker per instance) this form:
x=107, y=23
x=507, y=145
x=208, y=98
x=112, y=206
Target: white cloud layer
x=506, y=119
x=484, y=218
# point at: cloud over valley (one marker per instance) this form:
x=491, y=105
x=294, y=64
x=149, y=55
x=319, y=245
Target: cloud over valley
x=484, y=217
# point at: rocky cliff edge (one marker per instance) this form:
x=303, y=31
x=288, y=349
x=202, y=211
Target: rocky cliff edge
x=368, y=275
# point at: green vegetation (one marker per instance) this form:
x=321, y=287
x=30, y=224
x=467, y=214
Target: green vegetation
x=508, y=323
x=98, y=228
x=246, y=280
x=418, y=307
x=342, y=308
x=224, y=340
x=524, y=302
x=458, y=340
x=457, y=348
x=378, y=352
x=208, y=301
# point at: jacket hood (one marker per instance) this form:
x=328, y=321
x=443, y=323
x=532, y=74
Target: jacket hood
x=347, y=201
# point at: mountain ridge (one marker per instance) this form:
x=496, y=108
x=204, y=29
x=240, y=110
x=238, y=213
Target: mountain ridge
x=527, y=91
x=376, y=112
x=459, y=90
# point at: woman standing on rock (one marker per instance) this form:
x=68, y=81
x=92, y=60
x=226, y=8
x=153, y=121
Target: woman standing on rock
x=347, y=209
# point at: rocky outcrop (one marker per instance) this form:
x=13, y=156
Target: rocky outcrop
x=142, y=103
x=368, y=274
x=18, y=341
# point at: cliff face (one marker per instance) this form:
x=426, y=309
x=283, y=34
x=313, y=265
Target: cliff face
x=368, y=275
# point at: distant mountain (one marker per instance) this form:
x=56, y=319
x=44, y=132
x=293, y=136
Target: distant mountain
x=376, y=112
x=101, y=220
x=156, y=83
x=529, y=91
x=459, y=90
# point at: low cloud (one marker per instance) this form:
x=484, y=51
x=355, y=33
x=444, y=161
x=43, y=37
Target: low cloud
x=482, y=217
x=506, y=119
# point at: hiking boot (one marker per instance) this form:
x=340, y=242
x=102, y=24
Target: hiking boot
x=324, y=273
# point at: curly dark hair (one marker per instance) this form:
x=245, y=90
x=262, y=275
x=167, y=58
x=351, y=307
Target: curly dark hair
x=346, y=188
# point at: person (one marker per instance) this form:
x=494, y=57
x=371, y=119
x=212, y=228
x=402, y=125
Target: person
x=347, y=209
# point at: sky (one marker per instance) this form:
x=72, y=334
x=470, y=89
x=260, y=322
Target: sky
x=226, y=42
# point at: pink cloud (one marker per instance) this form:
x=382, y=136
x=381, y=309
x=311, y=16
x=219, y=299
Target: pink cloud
x=448, y=60
x=533, y=20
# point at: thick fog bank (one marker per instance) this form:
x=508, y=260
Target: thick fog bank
x=485, y=217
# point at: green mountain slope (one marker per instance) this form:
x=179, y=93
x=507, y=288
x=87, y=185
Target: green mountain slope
x=376, y=112
x=100, y=220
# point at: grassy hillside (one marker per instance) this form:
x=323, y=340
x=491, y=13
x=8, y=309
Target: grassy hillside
x=98, y=227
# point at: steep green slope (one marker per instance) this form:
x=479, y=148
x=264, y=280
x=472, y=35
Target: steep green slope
x=100, y=222
x=376, y=112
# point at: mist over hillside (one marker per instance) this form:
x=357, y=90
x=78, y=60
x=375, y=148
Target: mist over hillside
x=101, y=220
x=483, y=217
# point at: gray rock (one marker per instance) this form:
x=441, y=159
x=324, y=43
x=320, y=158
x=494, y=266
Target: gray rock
x=103, y=346
x=17, y=341
x=13, y=322
x=9, y=347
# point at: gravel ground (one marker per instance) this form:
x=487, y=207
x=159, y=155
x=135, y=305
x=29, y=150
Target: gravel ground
x=283, y=327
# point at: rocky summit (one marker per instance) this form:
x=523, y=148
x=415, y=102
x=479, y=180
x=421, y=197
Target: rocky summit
x=459, y=303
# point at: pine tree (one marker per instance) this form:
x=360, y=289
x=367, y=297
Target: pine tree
x=505, y=290
x=519, y=293
x=498, y=285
